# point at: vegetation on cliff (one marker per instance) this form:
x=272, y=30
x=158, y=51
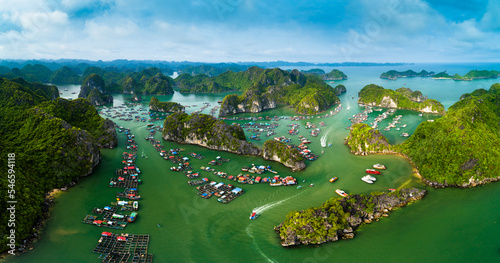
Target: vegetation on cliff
x=42, y=74
x=364, y=140
x=394, y=74
x=280, y=152
x=339, y=217
x=471, y=75
x=404, y=98
x=461, y=148
x=339, y=89
x=93, y=89
x=156, y=105
x=308, y=94
x=51, y=145
x=206, y=131
x=335, y=74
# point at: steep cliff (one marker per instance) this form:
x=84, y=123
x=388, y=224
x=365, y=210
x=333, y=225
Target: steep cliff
x=338, y=218
x=373, y=95
x=206, y=131
x=279, y=152
x=363, y=140
x=156, y=105
x=55, y=142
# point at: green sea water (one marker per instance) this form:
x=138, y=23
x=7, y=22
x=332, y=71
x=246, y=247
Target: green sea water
x=448, y=225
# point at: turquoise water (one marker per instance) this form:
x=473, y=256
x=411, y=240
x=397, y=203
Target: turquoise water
x=448, y=225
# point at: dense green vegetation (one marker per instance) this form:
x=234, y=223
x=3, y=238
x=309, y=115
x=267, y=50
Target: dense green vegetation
x=93, y=89
x=339, y=217
x=212, y=69
x=339, y=89
x=335, y=74
x=471, y=75
x=42, y=74
x=308, y=94
x=286, y=155
x=54, y=141
x=207, y=131
x=463, y=144
x=443, y=75
x=393, y=74
x=147, y=81
x=156, y=105
x=364, y=140
x=404, y=98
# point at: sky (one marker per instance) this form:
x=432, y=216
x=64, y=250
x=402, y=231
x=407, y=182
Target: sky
x=252, y=30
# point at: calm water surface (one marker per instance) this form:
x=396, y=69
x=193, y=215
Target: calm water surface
x=448, y=225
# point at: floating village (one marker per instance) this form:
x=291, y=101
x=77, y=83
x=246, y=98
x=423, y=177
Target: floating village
x=198, y=169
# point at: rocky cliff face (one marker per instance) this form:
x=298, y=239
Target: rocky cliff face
x=339, y=89
x=92, y=81
x=206, y=131
x=364, y=140
x=232, y=104
x=108, y=138
x=279, y=152
x=338, y=218
x=97, y=98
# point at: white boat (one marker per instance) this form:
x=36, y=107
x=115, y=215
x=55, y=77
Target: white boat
x=341, y=193
x=366, y=180
x=371, y=178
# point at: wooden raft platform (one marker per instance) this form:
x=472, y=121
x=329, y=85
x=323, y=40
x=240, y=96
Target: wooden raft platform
x=123, y=248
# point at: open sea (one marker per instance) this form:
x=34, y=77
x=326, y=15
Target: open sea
x=447, y=225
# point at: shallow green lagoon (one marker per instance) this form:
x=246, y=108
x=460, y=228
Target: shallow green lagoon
x=448, y=225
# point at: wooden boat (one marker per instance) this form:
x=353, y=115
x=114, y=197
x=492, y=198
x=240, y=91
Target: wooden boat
x=372, y=171
x=333, y=179
x=341, y=193
x=379, y=166
x=135, y=205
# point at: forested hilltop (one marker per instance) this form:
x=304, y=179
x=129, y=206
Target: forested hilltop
x=471, y=75
x=55, y=141
x=263, y=89
x=394, y=74
x=402, y=98
x=459, y=149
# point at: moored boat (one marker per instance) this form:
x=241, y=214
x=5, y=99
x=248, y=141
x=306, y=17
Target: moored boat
x=135, y=205
x=372, y=171
x=341, y=193
x=366, y=180
x=333, y=179
x=379, y=166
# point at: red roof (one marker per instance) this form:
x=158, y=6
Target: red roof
x=121, y=238
x=106, y=234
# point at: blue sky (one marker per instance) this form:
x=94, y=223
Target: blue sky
x=252, y=30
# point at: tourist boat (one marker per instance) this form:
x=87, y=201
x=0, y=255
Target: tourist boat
x=372, y=171
x=278, y=183
x=392, y=189
x=253, y=215
x=366, y=180
x=341, y=193
x=333, y=179
x=132, y=217
x=379, y=166
x=371, y=178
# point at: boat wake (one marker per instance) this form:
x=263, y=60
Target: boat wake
x=249, y=232
x=261, y=209
x=324, y=137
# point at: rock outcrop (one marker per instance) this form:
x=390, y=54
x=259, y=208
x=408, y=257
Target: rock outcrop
x=339, y=89
x=403, y=98
x=206, y=131
x=279, y=152
x=363, y=140
x=156, y=105
x=338, y=218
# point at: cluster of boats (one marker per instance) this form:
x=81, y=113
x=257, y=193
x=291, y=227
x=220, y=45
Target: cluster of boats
x=371, y=179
